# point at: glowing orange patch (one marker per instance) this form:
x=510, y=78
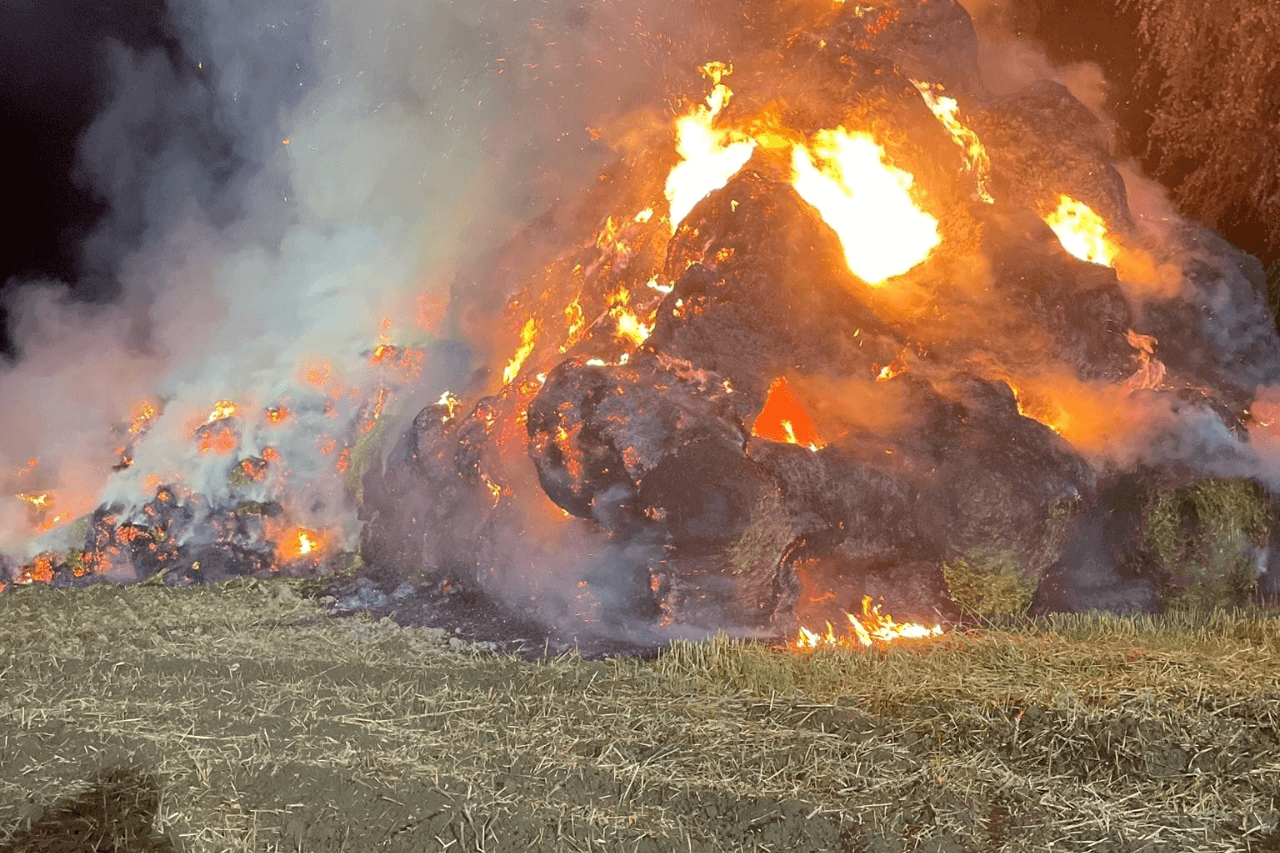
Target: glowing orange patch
x=299, y=542
x=784, y=419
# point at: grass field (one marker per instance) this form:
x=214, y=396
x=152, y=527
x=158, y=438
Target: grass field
x=242, y=718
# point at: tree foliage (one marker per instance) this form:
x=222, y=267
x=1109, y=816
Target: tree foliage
x=1215, y=135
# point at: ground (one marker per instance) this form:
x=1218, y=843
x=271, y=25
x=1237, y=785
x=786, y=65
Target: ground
x=243, y=717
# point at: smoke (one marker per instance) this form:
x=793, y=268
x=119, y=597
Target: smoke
x=292, y=182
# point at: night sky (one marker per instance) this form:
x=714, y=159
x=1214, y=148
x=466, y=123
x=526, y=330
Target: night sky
x=54, y=82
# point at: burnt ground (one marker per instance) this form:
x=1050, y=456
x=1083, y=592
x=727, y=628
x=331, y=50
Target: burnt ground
x=477, y=618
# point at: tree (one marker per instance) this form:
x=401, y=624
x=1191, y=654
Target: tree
x=1215, y=132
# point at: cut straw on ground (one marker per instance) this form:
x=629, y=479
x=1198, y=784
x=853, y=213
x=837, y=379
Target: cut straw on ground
x=242, y=717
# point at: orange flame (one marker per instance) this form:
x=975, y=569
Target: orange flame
x=528, y=339
x=142, y=418
x=222, y=410
x=947, y=111
x=1082, y=232
x=299, y=542
x=783, y=419
x=1037, y=408
x=866, y=202
x=40, y=500
x=864, y=631
x=219, y=441
x=1151, y=370
x=709, y=156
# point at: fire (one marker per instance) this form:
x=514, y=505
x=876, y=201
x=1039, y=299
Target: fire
x=450, y=402
x=277, y=415
x=709, y=156
x=222, y=410
x=866, y=201
x=1151, y=370
x=528, y=338
x=37, y=501
x=573, y=317
x=947, y=111
x=219, y=441
x=864, y=631
x=298, y=542
x=1037, y=408
x=784, y=419
x=630, y=329
x=142, y=418
x=1082, y=232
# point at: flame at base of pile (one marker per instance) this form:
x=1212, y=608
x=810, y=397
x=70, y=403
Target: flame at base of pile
x=870, y=628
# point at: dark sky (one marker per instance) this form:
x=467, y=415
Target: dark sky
x=52, y=82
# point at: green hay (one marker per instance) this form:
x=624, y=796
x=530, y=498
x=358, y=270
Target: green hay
x=1199, y=538
x=363, y=452
x=985, y=585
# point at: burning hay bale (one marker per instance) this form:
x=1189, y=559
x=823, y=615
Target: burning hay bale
x=830, y=400
x=852, y=326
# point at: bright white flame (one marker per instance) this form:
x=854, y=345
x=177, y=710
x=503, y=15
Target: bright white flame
x=866, y=202
x=709, y=156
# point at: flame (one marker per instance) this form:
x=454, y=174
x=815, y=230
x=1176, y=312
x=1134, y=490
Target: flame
x=299, y=542
x=1151, y=370
x=277, y=415
x=630, y=329
x=142, y=418
x=897, y=367
x=450, y=402
x=318, y=374
x=783, y=419
x=495, y=489
x=573, y=316
x=40, y=571
x=1037, y=408
x=709, y=156
x=222, y=410
x=40, y=500
x=866, y=202
x=528, y=338
x=1082, y=232
x=219, y=441
x=864, y=631
x=947, y=111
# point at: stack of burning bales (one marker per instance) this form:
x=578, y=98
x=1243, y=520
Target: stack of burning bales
x=1001, y=426
x=879, y=333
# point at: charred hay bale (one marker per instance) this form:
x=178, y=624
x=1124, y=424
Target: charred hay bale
x=1080, y=307
x=618, y=442
x=1042, y=143
x=738, y=579
x=1220, y=334
x=653, y=447
x=932, y=41
x=422, y=508
x=761, y=288
x=836, y=583
x=843, y=496
x=1002, y=500
x=1202, y=540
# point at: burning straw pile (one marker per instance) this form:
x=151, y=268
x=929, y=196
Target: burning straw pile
x=854, y=334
